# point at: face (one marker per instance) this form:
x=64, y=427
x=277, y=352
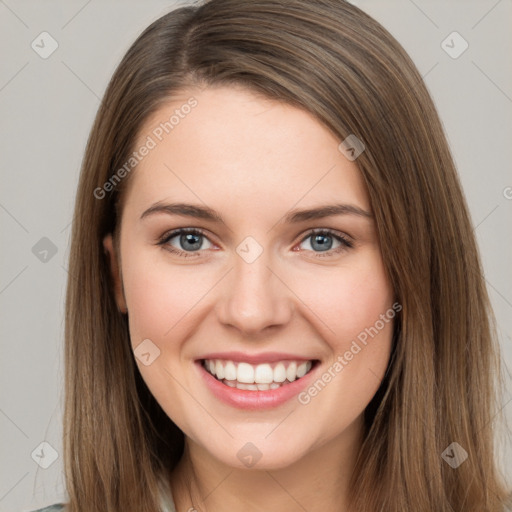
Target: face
x=263, y=331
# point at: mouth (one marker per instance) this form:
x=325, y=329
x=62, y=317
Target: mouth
x=263, y=377
x=256, y=381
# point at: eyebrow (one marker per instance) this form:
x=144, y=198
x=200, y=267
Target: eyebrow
x=292, y=217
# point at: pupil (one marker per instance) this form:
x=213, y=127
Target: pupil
x=192, y=239
x=321, y=241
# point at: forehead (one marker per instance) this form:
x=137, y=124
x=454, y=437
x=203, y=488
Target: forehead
x=230, y=146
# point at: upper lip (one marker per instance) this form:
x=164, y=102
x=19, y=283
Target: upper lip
x=263, y=357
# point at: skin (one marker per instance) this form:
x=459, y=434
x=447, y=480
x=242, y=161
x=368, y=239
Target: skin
x=253, y=160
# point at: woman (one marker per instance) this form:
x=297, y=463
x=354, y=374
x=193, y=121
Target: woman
x=325, y=342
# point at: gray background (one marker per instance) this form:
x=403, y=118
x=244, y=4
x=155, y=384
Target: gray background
x=47, y=108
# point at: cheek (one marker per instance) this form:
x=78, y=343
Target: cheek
x=355, y=306
x=349, y=299
x=160, y=299
x=159, y=296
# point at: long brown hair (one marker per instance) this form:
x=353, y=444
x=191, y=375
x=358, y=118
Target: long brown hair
x=331, y=59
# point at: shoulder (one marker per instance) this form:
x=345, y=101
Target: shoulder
x=52, y=508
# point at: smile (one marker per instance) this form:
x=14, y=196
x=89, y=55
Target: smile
x=260, y=377
x=268, y=381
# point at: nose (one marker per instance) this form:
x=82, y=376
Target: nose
x=254, y=297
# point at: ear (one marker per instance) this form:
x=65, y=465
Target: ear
x=115, y=271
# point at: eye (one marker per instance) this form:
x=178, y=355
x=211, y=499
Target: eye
x=321, y=241
x=188, y=240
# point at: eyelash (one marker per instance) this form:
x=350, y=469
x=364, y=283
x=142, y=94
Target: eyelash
x=345, y=242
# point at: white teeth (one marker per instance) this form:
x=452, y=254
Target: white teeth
x=251, y=387
x=257, y=377
x=291, y=372
x=279, y=373
x=230, y=371
x=301, y=370
x=241, y=385
x=244, y=373
x=219, y=370
x=263, y=374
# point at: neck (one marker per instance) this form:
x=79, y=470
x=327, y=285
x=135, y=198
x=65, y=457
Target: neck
x=316, y=482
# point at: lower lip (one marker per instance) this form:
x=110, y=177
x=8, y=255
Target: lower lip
x=247, y=399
